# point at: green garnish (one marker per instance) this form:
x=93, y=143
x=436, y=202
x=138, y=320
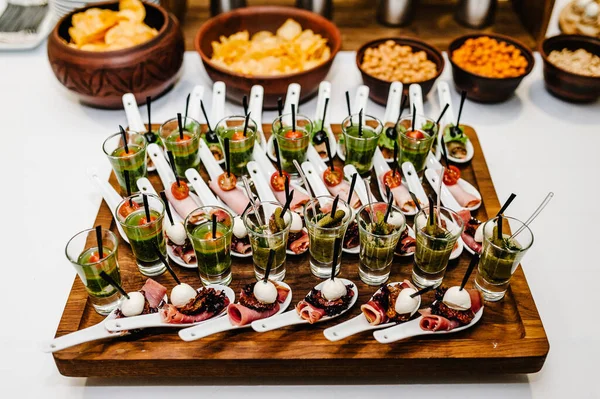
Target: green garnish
x=449, y=136
x=335, y=221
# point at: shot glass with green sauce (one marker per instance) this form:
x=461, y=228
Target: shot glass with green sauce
x=378, y=240
x=268, y=228
x=82, y=252
x=240, y=144
x=323, y=229
x=213, y=249
x=131, y=159
x=184, y=145
x=435, y=244
x=414, y=145
x=361, y=135
x=145, y=235
x=293, y=136
x=500, y=257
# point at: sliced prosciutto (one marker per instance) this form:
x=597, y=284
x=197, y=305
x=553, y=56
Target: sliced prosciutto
x=298, y=242
x=153, y=292
x=240, y=245
x=315, y=305
x=468, y=234
x=249, y=309
x=207, y=303
x=297, y=202
x=402, y=198
x=235, y=199
x=183, y=207
x=343, y=189
x=463, y=198
x=440, y=317
x=309, y=312
x=381, y=307
x=437, y=323
x=406, y=244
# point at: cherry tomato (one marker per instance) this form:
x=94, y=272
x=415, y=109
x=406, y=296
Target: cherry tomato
x=122, y=153
x=451, y=175
x=144, y=221
x=333, y=177
x=278, y=181
x=237, y=136
x=227, y=183
x=392, y=179
x=294, y=135
x=127, y=208
x=181, y=191
x=209, y=236
x=95, y=258
x=415, y=134
x=185, y=138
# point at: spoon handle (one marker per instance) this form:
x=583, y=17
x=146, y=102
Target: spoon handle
x=392, y=109
x=165, y=172
x=278, y=321
x=398, y=332
x=135, y=322
x=416, y=99
x=206, y=329
x=132, y=112
x=292, y=97
x=351, y=327
x=89, y=334
x=444, y=97
x=218, y=104
x=360, y=101
x=210, y=163
x=255, y=108
x=111, y=197
x=324, y=93
x=197, y=95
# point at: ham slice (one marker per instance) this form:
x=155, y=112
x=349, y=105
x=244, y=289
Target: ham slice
x=183, y=207
x=463, y=198
x=309, y=312
x=282, y=293
x=402, y=198
x=300, y=244
x=476, y=300
x=468, y=234
x=343, y=189
x=297, y=202
x=437, y=323
x=374, y=313
x=235, y=199
x=239, y=315
x=170, y=314
x=153, y=292
x=471, y=243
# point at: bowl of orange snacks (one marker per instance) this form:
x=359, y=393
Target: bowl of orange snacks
x=489, y=67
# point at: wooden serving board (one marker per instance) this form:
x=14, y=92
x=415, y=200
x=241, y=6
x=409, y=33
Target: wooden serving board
x=510, y=338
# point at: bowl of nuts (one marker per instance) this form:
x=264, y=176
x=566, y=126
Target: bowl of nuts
x=401, y=59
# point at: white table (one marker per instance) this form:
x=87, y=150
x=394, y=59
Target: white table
x=533, y=143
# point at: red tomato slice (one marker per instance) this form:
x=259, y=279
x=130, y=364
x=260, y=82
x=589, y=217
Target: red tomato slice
x=227, y=183
x=278, y=180
x=333, y=177
x=95, y=258
x=392, y=179
x=181, y=191
x=185, y=138
x=209, y=236
x=144, y=221
x=451, y=175
x=127, y=208
x=294, y=135
x=415, y=134
x=237, y=136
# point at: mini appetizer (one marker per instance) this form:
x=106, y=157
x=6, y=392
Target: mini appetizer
x=240, y=242
x=472, y=234
x=226, y=188
x=451, y=180
x=298, y=236
x=191, y=306
x=178, y=240
x=393, y=180
x=351, y=239
x=257, y=301
x=452, y=308
x=392, y=303
x=334, y=180
x=145, y=301
x=179, y=198
x=318, y=138
x=456, y=141
x=406, y=244
x=331, y=300
x=277, y=182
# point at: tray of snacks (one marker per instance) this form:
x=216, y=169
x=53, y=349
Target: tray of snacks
x=305, y=266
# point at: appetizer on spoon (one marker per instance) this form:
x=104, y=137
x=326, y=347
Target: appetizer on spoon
x=393, y=113
x=457, y=144
x=388, y=177
x=321, y=131
x=134, y=122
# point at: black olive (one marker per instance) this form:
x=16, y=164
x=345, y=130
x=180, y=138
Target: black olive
x=391, y=133
x=320, y=137
x=211, y=137
x=151, y=137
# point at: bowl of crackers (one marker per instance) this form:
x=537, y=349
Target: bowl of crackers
x=398, y=59
x=271, y=46
x=104, y=50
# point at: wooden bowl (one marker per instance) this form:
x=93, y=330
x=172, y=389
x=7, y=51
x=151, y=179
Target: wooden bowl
x=379, y=88
x=270, y=18
x=567, y=85
x=101, y=78
x=484, y=89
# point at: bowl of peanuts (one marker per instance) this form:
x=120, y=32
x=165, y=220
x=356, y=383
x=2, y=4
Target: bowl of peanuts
x=572, y=67
x=401, y=59
x=489, y=67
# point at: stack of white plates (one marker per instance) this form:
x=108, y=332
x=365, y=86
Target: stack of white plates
x=62, y=7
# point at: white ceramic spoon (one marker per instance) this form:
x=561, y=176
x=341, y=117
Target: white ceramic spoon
x=315, y=180
x=111, y=197
x=155, y=319
x=218, y=103
x=194, y=110
x=292, y=317
x=412, y=329
x=381, y=168
x=392, y=107
x=324, y=94
x=413, y=182
x=447, y=198
x=415, y=95
x=360, y=102
x=255, y=108
x=223, y=324
x=444, y=96
x=134, y=118
x=292, y=97
x=358, y=324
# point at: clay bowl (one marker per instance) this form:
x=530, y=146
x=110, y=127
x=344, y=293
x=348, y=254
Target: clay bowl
x=484, y=89
x=378, y=88
x=269, y=18
x=567, y=85
x=100, y=79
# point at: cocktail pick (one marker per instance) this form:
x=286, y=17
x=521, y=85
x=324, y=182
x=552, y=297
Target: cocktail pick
x=227, y=157
x=444, y=151
x=146, y=208
x=245, y=104
x=431, y=219
x=180, y=125
x=172, y=162
x=360, y=118
x=334, y=205
x=187, y=106
x=128, y=186
x=294, y=118
x=506, y=204
x=306, y=185
x=246, y=124
x=112, y=282
x=288, y=201
x=321, y=135
x=389, y=208
x=402, y=106
x=214, y=226
x=499, y=234
x=99, y=240
x=370, y=199
x=414, y=117
x=423, y=291
x=463, y=97
x=246, y=208
x=348, y=106
x=277, y=157
x=535, y=214
x=328, y=148
x=442, y=114
x=279, y=106
x=205, y=115
x=164, y=262
x=388, y=193
x=415, y=200
x=474, y=261
x=286, y=186
x=270, y=261
x=336, y=253
x=351, y=192
x=124, y=137
x=148, y=107
x=395, y=162
x=167, y=207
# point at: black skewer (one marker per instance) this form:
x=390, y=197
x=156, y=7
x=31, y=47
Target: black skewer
x=348, y=105
x=279, y=106
x=422, y=291
x=506, y=204
x=414, y=117
x=167, y=207
x=442, y=114
x=124, y=137
x=334, y=205
x=246, y=124
x=164, y=262
x=415, y=200
x=172, y=162
x=112, y=282
x=499, y=227
x=389, y=208
x=270, y=261
x=180, y=125
x=360, y=118
x=474, y=261
x=146, y=208
x=128, y=186
x=99, y=240
x=245, y=104
x=277, y=157
x=227, y=158
x=336, y=253
x=328, y=148
x=352, y=184
x=288, y=202
x=294, y=118
x=187, y=106
x=214, y=226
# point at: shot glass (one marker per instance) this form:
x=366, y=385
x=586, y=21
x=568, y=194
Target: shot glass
x=415, y=145
x=265, y=234
x=500, y=257
x=361, y=143
x=293, y=139
x=185, y=149
x=213, y=252
x=322, y=233
x=134, y=161
x=145, y=236
x=240, y=145
x=378, y=240
x=434, y=245
x=82, y=252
